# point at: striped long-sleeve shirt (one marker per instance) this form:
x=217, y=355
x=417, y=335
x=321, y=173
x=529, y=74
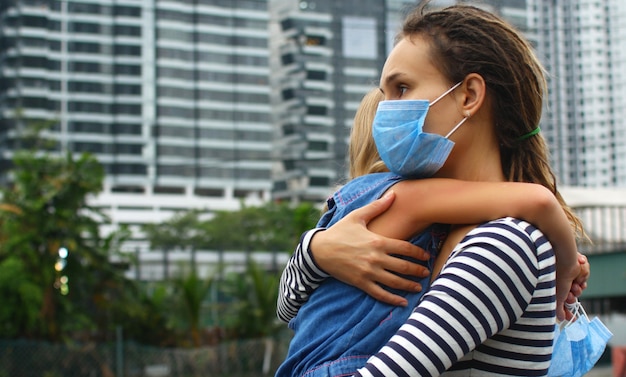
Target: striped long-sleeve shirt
x=300, y=278
x=489, y=312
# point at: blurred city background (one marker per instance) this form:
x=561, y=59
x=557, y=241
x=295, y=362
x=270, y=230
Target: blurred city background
x=159, y=160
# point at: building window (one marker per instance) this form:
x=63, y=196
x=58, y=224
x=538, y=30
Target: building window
x=126, y=129
x=315, y=40
x=127, y=30
x=316, y=75
x=127, y=50
x=127, y=89
x=316, y=110
x=288, y=94
x=127, y=69
x=126, y=11
x=130, y=169
x=128, y=109
x=317, y=146
x=84, y=47
x=89, y=147
x=319, y=181
x=287, y=59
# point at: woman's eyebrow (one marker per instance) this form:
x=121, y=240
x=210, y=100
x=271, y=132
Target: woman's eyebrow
x=391, y=78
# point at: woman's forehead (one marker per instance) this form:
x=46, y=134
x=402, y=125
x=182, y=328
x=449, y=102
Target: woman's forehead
x=409, y=59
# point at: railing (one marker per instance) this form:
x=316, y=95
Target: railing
x=244, y=358
x=603, y=213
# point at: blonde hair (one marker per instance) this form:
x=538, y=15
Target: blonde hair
x=363, y=157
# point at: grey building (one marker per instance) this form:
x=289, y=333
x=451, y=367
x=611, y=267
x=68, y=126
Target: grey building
x=582, y=44
x=171, y=96
x=325, y=55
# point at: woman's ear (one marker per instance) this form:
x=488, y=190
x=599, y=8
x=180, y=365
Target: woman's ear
x=473, y=92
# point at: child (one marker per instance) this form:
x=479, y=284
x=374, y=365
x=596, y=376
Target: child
x=325, y=330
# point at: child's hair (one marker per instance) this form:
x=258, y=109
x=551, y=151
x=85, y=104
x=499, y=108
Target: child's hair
x=363, y=157
x=465, y=39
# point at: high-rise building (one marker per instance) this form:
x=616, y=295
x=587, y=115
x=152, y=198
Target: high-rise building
x=171, y=96
x=206, y=103
x=325, y=55
x=582, y=44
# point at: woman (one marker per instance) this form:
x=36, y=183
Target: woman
x=495, y=309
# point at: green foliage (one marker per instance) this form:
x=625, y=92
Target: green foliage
x=21, y=298
x=271, y=227
x=192, y=291
x=252, y=313
x=45, y=209
x=182, y=230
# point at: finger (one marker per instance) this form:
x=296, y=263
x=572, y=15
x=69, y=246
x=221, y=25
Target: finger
x=561, y=312
x=404, y=248
x=394, y=281
x=576, y=290
x=404, y=267
x=375, y=208
x=380, y=294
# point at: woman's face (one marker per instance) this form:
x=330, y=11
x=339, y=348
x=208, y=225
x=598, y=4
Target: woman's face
x=410, y=74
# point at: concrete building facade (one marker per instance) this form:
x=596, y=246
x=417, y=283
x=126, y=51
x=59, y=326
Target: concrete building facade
x=171, y=96
x=581, y=44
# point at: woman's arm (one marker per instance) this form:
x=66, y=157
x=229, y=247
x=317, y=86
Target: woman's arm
x=357, y=256
x=500, y=271
x=302, y=275
x=421, y=202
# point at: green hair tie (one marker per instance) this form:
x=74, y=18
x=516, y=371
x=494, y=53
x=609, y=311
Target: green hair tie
x=531, y=133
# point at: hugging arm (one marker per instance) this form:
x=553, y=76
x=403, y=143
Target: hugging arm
x=357, y=250
x=491, y=280
x=303, y=275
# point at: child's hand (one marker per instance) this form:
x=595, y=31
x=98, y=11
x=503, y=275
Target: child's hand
x=578, y=285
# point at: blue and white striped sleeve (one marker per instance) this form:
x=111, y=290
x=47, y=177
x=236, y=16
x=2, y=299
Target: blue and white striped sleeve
x=485, y=286
x=299, y=279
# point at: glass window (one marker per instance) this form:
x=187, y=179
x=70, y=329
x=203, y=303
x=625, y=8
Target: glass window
x=126, y=108
x=126, y=129
x=316, y=110
x=126, y=11
x=127, y=69
x=127, y=89
x=318, y=146
x=128, y=50
x=84, y=47
x=127, y=30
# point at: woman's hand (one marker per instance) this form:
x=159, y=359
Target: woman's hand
x=576, y=278
x=349, y=252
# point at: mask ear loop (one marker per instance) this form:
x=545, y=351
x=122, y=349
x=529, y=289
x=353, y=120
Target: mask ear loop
x=445, y=93
x=457, y=126
x=578, y=312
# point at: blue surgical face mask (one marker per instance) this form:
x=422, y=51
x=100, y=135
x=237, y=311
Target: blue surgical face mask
x=402, y=144
x=578, y=344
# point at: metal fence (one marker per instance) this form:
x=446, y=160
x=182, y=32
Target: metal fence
x=245, y=358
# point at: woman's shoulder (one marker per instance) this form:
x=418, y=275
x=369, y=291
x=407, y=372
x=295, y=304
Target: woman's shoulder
x=510, y=225
x=509, y=232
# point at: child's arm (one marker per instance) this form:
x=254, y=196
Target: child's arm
x=421, y=202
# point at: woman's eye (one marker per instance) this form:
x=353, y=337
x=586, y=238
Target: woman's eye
x=402, y=90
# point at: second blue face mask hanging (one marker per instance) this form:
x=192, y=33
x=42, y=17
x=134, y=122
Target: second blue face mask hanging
x=578, y=344
x=402, y=143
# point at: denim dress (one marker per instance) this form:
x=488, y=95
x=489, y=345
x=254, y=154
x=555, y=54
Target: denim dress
x=340, y=326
